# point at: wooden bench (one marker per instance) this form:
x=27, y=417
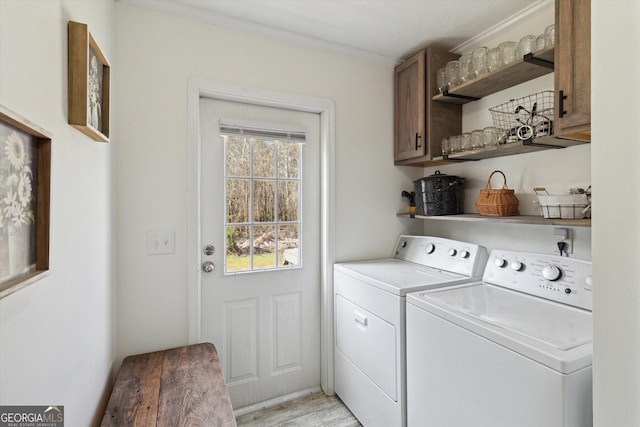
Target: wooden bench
x=177, y=387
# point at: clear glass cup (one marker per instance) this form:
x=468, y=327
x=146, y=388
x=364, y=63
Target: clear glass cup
x=494, y=59
x=540, y=42
x=489, y=136
x=550, y=35
x=479, y=61
x=441, y=78
x=527, y=44
x=454, y=144
x=466, y=71
x=508, y=52
x=476, y=139
x=465, y=142
x=445, y=147
x=453, y=74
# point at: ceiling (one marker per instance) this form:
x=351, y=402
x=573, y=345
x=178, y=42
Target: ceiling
x=389, y=30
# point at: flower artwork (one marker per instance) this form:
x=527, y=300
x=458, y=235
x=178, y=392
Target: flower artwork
x=95, y=88
x=88, y=85
x=18, y=153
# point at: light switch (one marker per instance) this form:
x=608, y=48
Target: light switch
x=161, y=242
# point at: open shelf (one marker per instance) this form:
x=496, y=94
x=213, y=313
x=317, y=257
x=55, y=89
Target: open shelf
x=518, y=219
x=528, y=68
x=538, y=144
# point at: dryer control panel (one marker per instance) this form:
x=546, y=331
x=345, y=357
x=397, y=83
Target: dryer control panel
x=561, y=279
x=455, y=256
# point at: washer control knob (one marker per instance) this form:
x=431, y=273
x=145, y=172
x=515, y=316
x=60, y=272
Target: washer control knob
x=516, y=265
x=567, y=291
x=589, y=281
x=465, y=253
x=500, y=262
x=551, y=272
x=403, y=244
x=430, y=248
x=452, y=252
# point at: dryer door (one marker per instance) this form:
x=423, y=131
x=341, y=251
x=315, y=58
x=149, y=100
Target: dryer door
x=368, y=342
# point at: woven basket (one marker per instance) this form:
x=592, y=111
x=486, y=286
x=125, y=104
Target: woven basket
x=501, y=202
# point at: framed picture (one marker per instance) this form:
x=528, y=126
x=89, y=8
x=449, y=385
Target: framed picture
x=25, y=171
x=89, y=80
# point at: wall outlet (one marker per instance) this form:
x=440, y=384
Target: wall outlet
x=568, y=247
x=161, y=242
x=562, y=235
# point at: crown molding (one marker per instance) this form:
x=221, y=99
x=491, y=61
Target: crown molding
x=506, y=25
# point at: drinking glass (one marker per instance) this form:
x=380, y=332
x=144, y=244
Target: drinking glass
x=527, y=44
x=494, y=59
x=465, y=142
x=454, y=144
x=540, y=42
x=453, y=74
x=550, y=35
x=445, y=147
x=489, y=136
x=441, y=79
x=466, y=71
x=479, y=61
x=508, y=52
x=476, y=139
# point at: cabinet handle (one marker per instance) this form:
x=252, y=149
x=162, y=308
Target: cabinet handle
x=561, y=109
x=418, y=141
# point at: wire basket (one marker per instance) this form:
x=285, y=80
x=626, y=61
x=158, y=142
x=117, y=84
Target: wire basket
x=570, y=206
x=524, y=119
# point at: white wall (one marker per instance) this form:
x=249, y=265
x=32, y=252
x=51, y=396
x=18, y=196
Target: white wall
x=157, y=54
x=57, y=335
x=616, y=227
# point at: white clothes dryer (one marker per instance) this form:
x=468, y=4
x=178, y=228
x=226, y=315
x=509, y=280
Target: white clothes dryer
x=369, y=296
x=514, y=349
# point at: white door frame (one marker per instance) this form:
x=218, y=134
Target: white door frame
x=199, y=88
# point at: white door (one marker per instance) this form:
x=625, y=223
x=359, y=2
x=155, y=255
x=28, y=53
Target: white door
x=261, y=303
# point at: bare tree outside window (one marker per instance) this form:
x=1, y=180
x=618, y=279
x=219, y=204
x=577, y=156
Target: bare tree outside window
x=262, y=203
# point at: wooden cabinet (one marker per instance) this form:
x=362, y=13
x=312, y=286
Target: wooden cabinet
x=573, y=69
x=420, y=124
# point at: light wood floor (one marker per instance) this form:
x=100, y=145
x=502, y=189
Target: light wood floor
x=314, y=410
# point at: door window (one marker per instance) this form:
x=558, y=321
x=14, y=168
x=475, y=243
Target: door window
x=262, y=203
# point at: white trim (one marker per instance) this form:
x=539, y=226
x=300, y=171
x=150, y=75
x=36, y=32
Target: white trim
x=502, y=27
x=274, y=402
x=326, y=108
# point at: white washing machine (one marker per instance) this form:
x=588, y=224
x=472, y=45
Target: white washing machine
x=370, y=374
x=511, y=350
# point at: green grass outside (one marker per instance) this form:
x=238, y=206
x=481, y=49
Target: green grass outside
x=239, y=263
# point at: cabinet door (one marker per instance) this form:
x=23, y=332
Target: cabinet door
x=409, y=94
x=573, y=69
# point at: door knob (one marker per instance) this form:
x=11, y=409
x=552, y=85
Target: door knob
x=208, y=267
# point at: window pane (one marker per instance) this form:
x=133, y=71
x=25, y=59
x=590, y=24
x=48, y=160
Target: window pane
x=288, y=201
x=288, y=244
x=288, y=156
x=237, y=200
x=264, y=158
x=238, y=156
x=264, y=201
x=264, y=247
x=238, y=251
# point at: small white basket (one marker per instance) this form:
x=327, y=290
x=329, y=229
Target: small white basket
x=571, y=206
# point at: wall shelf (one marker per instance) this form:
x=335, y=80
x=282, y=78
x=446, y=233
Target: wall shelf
x=528, y=68
x=518, y=219
x=541, y=143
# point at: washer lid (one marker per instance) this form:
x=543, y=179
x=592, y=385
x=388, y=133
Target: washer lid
x=399, y=277
x=557, y=335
